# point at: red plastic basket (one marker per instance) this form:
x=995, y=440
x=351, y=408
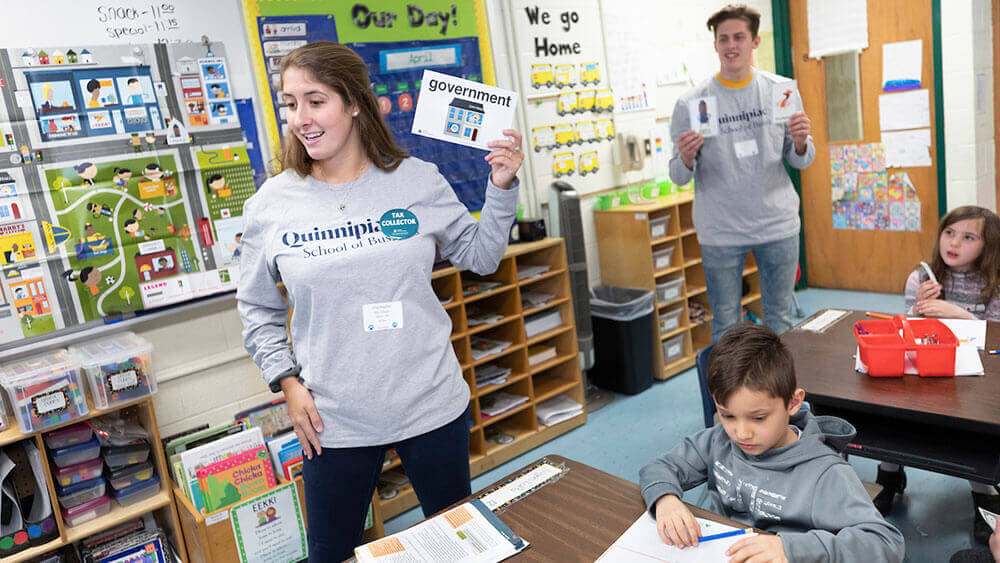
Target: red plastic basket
x=883, y=346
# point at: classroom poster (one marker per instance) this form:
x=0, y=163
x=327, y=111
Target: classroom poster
x=100, y=215
x=269, y=528
x=398, y=40
x=868, y=197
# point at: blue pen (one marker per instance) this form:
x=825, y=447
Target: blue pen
x=722, y=535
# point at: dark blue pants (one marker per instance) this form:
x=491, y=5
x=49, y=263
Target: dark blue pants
x=340, y=482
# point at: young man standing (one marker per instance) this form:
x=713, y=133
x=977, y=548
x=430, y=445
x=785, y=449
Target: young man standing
x=744, y=199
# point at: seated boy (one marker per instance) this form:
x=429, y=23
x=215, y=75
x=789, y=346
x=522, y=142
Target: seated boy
x=769, y=465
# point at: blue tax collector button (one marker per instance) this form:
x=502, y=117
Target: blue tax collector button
x=398, y=224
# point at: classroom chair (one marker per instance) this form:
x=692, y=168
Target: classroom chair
x=707, y=404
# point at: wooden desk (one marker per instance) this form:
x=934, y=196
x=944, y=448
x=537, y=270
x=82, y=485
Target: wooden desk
x=948, y=425
x=579, y=516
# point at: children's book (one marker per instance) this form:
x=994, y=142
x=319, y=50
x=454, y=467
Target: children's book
x=286, y=455
x=272, y=418
x=235, y=478
x=194, y=459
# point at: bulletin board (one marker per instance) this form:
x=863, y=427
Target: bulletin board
x=850, y=243
x=118, y=193
x=398, y=40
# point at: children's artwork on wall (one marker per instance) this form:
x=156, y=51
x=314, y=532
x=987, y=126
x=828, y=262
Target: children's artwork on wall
x=117, y=227
x=865, y=196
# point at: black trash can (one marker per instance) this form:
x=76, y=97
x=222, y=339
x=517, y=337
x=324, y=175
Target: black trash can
x=623, y=338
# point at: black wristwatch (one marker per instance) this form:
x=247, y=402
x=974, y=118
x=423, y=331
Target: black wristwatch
x=275, y=384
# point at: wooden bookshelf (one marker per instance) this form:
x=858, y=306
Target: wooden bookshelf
x=539, y=382
x=626, y=249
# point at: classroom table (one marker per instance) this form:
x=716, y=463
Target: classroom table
x=579, y=516
x=948, y=425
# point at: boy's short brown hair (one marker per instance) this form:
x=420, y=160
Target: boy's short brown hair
x=736, y=12
x=751, y=356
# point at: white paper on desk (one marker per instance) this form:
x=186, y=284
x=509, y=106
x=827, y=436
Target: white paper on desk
x=968, y=331
x=907, y=148
x=967, y=362
x=824, y=321
x=642, y=543
x=902, y=63
x=468, y=533
x=461, y=111
x=906, y=110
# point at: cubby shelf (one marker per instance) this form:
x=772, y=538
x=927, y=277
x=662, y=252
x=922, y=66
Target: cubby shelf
x=626, y=248
x=560, y=374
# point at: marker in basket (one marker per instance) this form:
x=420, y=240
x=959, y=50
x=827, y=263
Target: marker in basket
x=930, y=273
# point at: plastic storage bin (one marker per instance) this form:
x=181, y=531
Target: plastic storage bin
x=45, y=390
x=118, y=456
x=623, y=338
x=658, y=226
x=883, y=349
x=86, y=511
x=75, y=434
x=78, y=473
x=130, y=475
x=137, y=492
x=86, y=491
x=77, y=453
x=673, y=349
x=670, y=320
x=117, y=368
x=661, y=258
x=5, y=420
x=669, y=290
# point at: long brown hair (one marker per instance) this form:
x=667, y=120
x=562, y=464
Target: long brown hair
x=345, y=72
x=988, y=263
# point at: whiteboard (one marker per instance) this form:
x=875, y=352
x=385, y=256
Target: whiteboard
x=121, y=22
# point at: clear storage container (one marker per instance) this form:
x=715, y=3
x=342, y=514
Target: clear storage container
x=118, y=456
x=45, y=390
x=77, y=453
x=670, y=320
x=673, y=349
x=658, y=226
x=117, y=368
x=130, y=475
x=75, y=495
x=74, y=434
x=78, y=473
x=137, y=492
x=5, y=420
x=661, y=258
x=669, y=290
x=86, y=511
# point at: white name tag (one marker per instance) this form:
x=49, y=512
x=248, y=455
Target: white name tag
x=124, y=380
x=383, y=316
x=746, y=148
x=50, y=402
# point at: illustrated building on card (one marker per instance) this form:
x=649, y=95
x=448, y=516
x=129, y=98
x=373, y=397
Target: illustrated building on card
x=464, y=119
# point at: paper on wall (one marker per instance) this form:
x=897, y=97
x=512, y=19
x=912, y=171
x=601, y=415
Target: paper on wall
x=907, y=148
x=837, y=26
x=463, y=112
x=906, y=110
x=902, y=63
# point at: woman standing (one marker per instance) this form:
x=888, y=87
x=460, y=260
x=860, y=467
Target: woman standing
x=351, y=227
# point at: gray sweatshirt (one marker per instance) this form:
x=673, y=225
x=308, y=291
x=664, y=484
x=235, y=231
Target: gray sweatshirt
x=741, y=201
x=371, y=387
x=804, y=492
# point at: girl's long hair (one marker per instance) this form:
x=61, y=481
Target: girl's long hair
x=988, y=263
x=346, y=73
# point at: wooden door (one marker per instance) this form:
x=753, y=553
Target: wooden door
x=855, y=259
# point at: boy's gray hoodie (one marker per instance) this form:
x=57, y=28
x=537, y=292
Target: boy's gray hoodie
x=804, y=492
